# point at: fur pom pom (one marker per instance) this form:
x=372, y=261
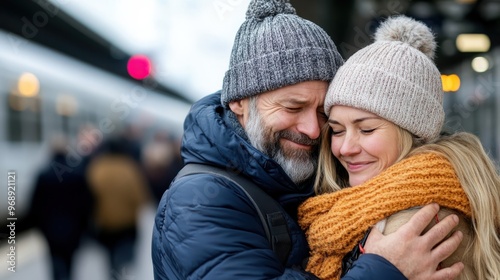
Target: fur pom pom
x=265, y=8
x=410, y=31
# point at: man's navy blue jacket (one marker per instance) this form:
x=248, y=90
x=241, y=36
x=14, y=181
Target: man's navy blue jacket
x=207, y=228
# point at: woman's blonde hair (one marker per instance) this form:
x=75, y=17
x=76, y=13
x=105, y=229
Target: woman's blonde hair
x=476, y=172
x=480, y=180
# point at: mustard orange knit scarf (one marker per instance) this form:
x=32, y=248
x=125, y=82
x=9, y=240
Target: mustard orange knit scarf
x=335, y=222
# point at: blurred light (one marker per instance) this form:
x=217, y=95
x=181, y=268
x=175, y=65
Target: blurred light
x=451, y=83
x=473, y=43
x=28, y=85
x=66, y=105
x=480, y=64
x=466, y=1
x=139, y=67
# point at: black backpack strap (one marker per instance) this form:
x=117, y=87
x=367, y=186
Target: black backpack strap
x=270, y=212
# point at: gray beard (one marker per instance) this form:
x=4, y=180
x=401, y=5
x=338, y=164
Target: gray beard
x=299, y=165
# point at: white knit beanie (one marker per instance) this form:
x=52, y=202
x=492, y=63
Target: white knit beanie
x=394, y=78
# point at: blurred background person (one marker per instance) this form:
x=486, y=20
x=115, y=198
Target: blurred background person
x=161, y=161
x=60, y=208
x=120, y=189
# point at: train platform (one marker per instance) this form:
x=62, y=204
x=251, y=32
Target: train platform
x=32, y=257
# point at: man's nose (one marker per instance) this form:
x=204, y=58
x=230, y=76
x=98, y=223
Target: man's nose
x=310, y=125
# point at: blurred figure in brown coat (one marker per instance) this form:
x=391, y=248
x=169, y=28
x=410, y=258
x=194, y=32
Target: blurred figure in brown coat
x=120, y=190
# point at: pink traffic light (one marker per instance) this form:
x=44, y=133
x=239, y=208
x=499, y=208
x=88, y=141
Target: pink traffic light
x=139, y=67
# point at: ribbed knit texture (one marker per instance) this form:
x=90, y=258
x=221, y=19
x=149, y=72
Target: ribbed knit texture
x=335, y=222
x=394, y=78
x=275, y=48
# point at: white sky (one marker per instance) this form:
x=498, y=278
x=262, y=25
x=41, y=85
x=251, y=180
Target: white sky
x=189, y=40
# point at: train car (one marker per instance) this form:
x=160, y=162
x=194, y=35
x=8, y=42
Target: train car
x=44, y=93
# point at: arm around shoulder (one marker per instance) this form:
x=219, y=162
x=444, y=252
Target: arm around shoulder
x=206, y=229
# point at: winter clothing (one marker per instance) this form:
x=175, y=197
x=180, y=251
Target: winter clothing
x=60, y=208
x=395, y=78
x=120, y=189
x=207, y=228
x=336, y=222
x=275, y=48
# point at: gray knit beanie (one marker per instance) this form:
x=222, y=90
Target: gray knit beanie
x=394, y=78
x=275, y=48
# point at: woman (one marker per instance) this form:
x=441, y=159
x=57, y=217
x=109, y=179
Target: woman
x=382, y=155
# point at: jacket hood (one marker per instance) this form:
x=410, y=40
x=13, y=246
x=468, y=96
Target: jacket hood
x=209, y=139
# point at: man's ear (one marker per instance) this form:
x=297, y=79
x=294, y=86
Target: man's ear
x=238, y=107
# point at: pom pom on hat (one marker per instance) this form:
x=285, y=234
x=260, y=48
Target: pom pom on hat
x=408, y=31
x=394, y=78
x=266, y=8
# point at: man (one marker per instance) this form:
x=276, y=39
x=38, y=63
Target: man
x=265, y=125
x=61, y=207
